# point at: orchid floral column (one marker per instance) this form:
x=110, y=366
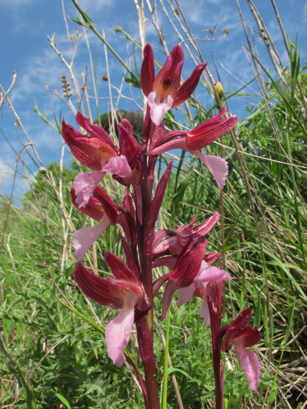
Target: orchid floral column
x=131, y=290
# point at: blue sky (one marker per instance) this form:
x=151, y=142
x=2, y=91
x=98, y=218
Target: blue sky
x=24, y=47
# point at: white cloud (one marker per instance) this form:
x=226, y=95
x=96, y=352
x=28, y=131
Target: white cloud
x=5, y=174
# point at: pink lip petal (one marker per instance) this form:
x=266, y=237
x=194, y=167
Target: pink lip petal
x=204, y=312
x=118, y=332
x=119, y=166
x=83, y=239
x=250, y=364
x=85, y=184
x=185, y=294
x=216, y=165
x=158, y=109
x=210, y=273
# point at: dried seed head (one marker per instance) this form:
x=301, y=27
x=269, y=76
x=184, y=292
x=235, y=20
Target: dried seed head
x=43, y=170
x=66, y=87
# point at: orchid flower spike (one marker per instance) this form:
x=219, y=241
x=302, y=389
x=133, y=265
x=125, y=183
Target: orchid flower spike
x=124, y=292
x=163, y=91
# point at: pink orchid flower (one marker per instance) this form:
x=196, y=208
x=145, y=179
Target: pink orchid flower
x=99, y=207
x=242, y=336
x=93, y=151
x=124, y=292
x=205, y=275
x=164, y=92
x=98, y=153
x=172, y=242
x=203, y=135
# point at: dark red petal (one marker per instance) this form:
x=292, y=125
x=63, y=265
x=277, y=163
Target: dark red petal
x=132, y=263
x=127, y=142
x=147, y=70
x=241, y=320
x=94, y=130
x=107, y=203
x=211, y=258
x=128, y=204
x=91, y=152
x=154, y=209
x=168, y=136
x=93, y=208
x=248, y=336
x=97, y=288
x=119, y=268
x=209, y=131
x=189, y=85
x=204, y=228
x=188, y=265
x=127, y=285
x=168, y=79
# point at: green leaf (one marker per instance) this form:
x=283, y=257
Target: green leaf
x=63, y=400
x=271, y=396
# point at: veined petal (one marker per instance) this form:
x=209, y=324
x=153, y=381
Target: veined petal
x=188, y=87
x=241, y=320
x=210, y=130
x=154, y=209
x=188, y=265
x=216, y=165
x=97, y=288
x=168, y=79
x=250, y=364
x=93, y=208
x=83, y=239
x=94, y=130
x=118, y=331
x=158, y=107
x=179, y=143
x=85, y=184
x=147, y=76
x=127, y=142
x=107, y=203
x=119, y=166
x=91, y=152
x=119, y=268
x=211, y=258
x=204, y=228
